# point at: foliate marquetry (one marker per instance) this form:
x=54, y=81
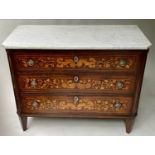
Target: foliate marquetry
x=124, y=84
x=47, y=104
x=82, y=62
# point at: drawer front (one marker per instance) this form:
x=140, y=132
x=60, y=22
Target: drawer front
x=90, y=62
x=82, y=104
x=80, y=82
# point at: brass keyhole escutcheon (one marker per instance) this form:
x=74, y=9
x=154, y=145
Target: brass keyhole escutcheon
x=76, y=78
x=33, y=83
x=30, y=62
x=76, y=59
x=35, y=104
x=119, y=85
x=122, y=62
x=118, y=105
x=76, y=100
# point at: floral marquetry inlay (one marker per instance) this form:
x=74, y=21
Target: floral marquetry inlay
x=59, y=82
x=46, y=104
x=82, y=62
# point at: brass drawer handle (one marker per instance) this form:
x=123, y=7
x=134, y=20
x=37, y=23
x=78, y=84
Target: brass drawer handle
x=76, y=59
x=118, y=105
x=122, y=62
x=76, y=78
x=35, y=104
x=33, y=83
x=76, y=100
x=119, y=85
x=30, y=62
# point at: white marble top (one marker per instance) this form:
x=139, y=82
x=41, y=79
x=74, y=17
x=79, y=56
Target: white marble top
x=77, y=37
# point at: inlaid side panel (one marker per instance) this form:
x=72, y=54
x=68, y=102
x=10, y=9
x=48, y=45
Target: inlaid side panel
x=118, y=84
x=98, y=104
x=91, y=62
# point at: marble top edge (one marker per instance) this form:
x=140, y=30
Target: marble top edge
x=78, y=25
x=79, y=48
x=77, y=37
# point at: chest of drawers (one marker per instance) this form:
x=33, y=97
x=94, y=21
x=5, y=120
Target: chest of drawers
x=70, y=76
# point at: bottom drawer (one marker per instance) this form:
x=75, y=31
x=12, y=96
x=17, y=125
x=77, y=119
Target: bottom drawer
x=75, y=104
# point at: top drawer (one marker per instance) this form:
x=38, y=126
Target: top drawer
x=90, y=61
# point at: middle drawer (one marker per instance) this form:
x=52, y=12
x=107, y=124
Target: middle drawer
x=78, y=82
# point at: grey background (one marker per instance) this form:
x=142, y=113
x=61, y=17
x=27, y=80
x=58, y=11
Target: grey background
x=144, y=123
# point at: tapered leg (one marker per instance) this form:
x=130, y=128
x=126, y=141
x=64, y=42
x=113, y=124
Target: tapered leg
x=23, y=121
x=129, y=124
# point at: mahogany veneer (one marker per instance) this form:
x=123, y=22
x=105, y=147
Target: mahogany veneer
x=77, y=83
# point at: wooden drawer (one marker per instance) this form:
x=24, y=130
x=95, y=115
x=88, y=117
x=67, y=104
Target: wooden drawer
x=77, y=82
x=77, y=104
x=96, y=61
